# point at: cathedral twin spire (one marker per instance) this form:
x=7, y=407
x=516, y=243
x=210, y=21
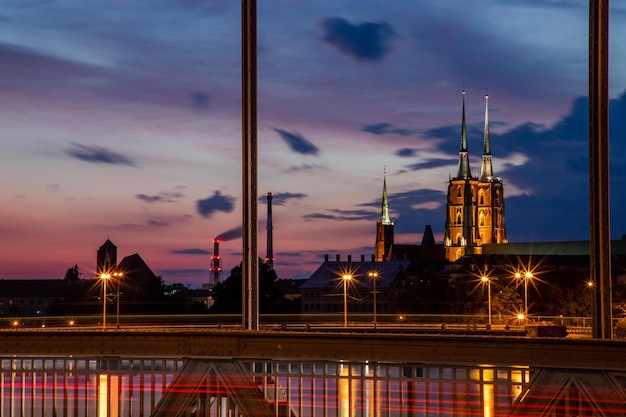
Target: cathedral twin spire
x=486, y=171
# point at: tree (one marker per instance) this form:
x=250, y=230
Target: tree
x=227, y=294
x=72, y=274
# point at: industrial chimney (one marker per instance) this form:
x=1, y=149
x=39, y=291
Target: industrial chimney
x=216, y=264
x=269, y=259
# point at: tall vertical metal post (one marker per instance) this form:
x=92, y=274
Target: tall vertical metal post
x=250, y=263
x=599, y=211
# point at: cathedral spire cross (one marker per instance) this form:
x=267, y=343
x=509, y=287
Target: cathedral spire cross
x=486, y=169
x=464, y=169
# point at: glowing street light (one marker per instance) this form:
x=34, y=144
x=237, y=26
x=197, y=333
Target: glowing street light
x=374, y=276
x=592, y=298
x=527, y=276
x=488, y=281
x=118, y=276
x=104, y=277
x=345, y=279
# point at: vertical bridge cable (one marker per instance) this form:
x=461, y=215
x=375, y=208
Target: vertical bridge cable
x=250, y=266
x=599, y=209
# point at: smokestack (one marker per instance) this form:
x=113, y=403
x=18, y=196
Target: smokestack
x=216, y=264
x=270, y=240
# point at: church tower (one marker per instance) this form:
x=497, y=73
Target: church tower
x=384, y=229
x=475, y=210
x=459, y=235
x=106, y=258
x=490, y=197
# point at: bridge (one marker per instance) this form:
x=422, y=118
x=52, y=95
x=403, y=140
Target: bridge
x=217, y=372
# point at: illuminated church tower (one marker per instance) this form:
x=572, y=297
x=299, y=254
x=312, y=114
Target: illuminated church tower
x=475, y=208
x=384, y=229
x=490, y=197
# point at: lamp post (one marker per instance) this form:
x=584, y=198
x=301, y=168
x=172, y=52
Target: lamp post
x=592, y=300
x=345, y=278
x=527, y=276
x=374, y=277
x=488, y=281
x=104, y=277
x=118, y=277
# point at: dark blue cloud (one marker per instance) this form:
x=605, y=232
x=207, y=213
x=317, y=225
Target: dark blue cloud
x=343, y=215
x=431, y=163
x=192, y=251
x=364, y=42
x=98, y=155
x=386, y=129
x=163, y=197
x=279, y=199
x=406, y=152
x=319, y=216
x=297, y=142
x=407, y=217
x=217, y=202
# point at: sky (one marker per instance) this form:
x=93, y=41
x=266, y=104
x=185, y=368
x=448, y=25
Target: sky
x=121, y=120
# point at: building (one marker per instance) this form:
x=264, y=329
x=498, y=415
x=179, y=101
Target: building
x=323, y=292
x=475, y=205
x=384, y=229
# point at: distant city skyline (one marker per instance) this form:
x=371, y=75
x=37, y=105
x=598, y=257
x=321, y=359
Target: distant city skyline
x=121, y=120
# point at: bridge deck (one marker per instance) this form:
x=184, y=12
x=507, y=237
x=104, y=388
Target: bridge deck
x=454, y=349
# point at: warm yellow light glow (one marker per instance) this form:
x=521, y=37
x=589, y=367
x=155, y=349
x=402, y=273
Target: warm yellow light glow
x=528, y=275
x=518, y=275
x=103, y=395
x=484, y=279
x=344, y=392
x=347, y=277
x=520, y=316
x=488, y=393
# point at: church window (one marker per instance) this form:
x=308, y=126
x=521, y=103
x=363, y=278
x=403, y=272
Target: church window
x=458, y=191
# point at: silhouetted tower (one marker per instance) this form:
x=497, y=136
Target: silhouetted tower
x=106, y=258
x=269, y=259
x=384, y=228
x=216, y=264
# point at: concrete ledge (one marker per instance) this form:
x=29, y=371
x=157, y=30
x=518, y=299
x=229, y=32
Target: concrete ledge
x=546, y=331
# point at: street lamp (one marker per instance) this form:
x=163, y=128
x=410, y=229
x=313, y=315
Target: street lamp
x=592, y=299
x=374, y=277
x=118, y=276
x=527, y=276
x=488, y=281
x=104, y=277
x=345, y=278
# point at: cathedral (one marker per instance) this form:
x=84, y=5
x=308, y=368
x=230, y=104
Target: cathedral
x=475, y=206
x=474, y=210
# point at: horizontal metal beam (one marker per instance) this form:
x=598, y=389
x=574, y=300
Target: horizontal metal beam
x=442, y=349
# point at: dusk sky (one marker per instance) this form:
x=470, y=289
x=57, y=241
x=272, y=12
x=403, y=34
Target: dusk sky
x=121, y=119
